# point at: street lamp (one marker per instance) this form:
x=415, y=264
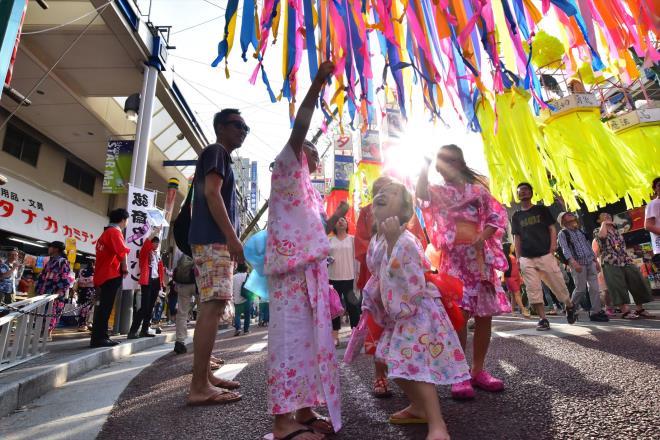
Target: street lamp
x=132, y=107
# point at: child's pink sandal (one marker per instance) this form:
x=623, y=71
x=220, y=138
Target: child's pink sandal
x=487, y=382
x=462, y=390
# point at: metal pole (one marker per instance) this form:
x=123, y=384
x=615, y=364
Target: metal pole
x=134, y=161
x=144, y=137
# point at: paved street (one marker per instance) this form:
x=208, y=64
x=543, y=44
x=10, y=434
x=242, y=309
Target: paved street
x=575, y=382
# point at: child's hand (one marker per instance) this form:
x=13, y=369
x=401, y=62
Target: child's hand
x=392, y=229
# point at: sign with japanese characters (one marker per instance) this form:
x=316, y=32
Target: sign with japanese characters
x=253, y=187
x=138, y=230
x=118, y=158
x=29, y=211
x=370, y=146
x=343, y=171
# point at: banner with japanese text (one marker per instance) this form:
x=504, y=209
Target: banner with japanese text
x=343, y=171
x=29, y=211
x=118, y=158
x=253, y=187
x=138, y=230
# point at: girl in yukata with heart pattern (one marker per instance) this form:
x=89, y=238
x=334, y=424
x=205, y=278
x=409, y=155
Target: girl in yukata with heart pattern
x=418, y=344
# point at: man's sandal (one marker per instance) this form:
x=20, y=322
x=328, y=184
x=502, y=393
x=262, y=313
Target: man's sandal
x=218, y=399
x=316, y=419
x=228, y=384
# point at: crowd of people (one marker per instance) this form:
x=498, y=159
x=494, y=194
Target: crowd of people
x=410, y=315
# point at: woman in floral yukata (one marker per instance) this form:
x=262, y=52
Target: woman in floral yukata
x=302, y=365
x=466, y=224
x=56, y=278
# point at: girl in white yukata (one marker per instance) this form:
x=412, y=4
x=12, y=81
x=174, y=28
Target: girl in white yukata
x=418, y=344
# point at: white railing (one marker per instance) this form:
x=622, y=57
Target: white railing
x=23, y=334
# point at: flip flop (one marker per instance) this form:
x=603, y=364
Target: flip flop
x=218, y=399
x=214, y=365
x=315, y=419
x=407, y=418
x=228, y=384
x=217, y=360
x=290, y=436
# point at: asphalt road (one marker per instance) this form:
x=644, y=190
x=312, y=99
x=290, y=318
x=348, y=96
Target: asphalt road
x=575, y=382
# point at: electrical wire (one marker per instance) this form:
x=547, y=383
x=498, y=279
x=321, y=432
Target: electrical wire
x=198, y=25
x=61, y=57
x=68, y=22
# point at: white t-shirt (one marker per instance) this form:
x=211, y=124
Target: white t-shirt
x=343, y=253
x=653, y=211
x=239, y=277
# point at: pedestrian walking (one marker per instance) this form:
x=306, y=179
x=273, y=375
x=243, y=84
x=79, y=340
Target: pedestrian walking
x=242, y=301
x=620, y=274
x=466, y=224
x=213, y=237
x=513, y=280
x=341, y=272
x=8, y=276
x=418, y=344
x=302, y=366
x=56, y=278
x=152, y=281
x=652, y=220
x=86, y=292
x=111, y=268
x=184, y=282
x=583, y=263
x=535, y=240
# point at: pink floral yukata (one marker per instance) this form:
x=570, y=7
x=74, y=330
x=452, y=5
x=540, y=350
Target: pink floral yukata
x=418, y=341
x=482, y=291
x=302, y=365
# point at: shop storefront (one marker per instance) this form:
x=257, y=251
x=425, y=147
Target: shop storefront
x=30, y=218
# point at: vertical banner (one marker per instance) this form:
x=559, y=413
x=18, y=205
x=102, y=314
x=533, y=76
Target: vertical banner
x=70, y=249
x=319, y=184
x=343, y=171
x=394, y=123
x=118, y=157
x=253, y=187
x=12, y=14
x=138, y=230
x=370, y=146
x=172, y=187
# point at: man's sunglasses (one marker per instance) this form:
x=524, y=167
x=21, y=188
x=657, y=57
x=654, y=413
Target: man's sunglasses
x=240, y=125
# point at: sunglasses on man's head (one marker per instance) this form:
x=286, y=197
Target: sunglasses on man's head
x=240, y=125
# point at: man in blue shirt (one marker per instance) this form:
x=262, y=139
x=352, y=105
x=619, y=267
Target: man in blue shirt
x=584, y=265
x=216, y=248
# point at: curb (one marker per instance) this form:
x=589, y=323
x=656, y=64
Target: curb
x=35, y=385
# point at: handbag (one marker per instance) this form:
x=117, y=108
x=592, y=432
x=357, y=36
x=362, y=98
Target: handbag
x=336, y=308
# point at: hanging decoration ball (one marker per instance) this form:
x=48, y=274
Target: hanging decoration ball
x=547, y=50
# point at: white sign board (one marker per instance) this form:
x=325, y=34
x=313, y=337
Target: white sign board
x=138, y=229
x=40, y=215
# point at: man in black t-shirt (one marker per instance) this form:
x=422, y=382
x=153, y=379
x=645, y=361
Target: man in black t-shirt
x=535, y=238
x=213, y=238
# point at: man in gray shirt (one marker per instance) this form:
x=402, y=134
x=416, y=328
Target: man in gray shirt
x=583, y=263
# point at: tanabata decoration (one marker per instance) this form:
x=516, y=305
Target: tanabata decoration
x=588, y=161
x=515, y=149
x=448, y=49
x=640, y=130
x=361, y=182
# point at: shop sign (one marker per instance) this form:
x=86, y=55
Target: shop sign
x=29, y=211
x=140, y=227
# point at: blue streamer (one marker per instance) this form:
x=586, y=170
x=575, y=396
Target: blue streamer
x=223, y=46
x=248, y=31
x=310, y=39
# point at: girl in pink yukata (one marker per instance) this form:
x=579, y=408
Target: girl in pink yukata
x=418, y=344
x=302, y=369
x=466, y=224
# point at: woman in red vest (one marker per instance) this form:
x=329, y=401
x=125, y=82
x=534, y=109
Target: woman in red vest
x=151, y=282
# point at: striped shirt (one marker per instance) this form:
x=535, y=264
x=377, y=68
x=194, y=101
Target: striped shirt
x=574, y=245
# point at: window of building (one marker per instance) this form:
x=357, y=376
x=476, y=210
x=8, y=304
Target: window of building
x=79, y=178
x=21, y=145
